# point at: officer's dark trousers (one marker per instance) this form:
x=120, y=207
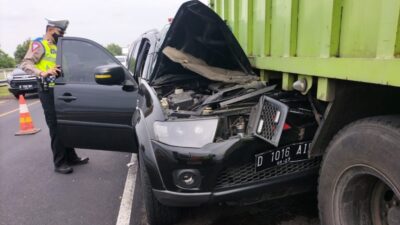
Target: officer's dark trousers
x=61, y=154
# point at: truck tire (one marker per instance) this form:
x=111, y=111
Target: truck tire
x=157, y=213
x=359, y=180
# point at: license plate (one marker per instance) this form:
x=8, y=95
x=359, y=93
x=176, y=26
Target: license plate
x=25, y=86
x=291, y=153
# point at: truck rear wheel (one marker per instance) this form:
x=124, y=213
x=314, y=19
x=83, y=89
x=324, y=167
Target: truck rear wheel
x=359, y=181
x=157, y=213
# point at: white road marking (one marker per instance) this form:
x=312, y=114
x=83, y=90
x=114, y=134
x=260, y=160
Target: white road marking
x=124, y=214
x=17, y=109
x=3, y=101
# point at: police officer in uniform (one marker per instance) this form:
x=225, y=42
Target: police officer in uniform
x=41, y=61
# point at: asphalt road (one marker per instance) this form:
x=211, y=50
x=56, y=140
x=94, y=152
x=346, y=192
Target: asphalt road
x=294, y=210
x=31, y=193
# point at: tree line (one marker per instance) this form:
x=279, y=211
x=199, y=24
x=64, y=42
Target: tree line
x=7, y=61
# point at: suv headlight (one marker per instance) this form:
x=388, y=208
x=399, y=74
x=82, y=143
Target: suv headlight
x=186, y=133
x=9, y=78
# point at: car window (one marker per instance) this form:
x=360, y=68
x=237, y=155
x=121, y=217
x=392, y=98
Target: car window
x=142, y=56
x=79, y=60
x=121, y=58
x=133, y=56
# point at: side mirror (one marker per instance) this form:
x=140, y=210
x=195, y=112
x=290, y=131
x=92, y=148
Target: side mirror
x=109, y=75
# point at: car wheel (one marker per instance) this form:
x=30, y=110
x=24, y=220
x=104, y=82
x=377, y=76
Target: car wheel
x=157, y=213
x=18, y=94
x=359, y=181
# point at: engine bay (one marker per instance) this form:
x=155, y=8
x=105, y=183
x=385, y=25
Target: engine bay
x=234, y=104
x=245, y=105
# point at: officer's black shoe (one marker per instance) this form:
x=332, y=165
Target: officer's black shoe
x=64, y=169
x=78, y=161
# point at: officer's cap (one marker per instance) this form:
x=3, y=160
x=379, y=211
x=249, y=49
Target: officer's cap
x=62, y=24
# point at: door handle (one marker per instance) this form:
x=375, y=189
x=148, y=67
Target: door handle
x=67, y=97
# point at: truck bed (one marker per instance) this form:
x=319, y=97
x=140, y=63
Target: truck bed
x=329, y=39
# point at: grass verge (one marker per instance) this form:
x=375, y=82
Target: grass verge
x=4, y=91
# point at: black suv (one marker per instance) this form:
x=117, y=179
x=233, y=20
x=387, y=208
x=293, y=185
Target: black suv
x=205, y=128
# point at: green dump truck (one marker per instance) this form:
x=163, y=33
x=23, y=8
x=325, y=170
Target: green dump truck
x=343, y=54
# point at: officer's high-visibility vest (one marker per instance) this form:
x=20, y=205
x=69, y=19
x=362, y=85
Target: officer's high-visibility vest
x=48, y=61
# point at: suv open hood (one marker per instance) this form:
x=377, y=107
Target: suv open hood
x=198, y=31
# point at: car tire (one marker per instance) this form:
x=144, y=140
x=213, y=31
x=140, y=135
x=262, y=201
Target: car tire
x=359, y=181
x=18, y=94
x=157, y=213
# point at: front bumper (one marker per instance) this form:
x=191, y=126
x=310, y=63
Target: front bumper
x=278, y=187
x=23, y=86
x=227, y=173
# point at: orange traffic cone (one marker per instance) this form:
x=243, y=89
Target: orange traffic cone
x=25, y=120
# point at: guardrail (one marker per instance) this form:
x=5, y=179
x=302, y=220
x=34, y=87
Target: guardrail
x=3, y=75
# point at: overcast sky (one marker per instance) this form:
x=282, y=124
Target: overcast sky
x=116, y=21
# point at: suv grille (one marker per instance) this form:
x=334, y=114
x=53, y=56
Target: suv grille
x=16, y=83
x=268, y=120
x=268, y=113
x=247, y=174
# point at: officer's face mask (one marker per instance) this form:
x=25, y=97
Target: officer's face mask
x=56, y=35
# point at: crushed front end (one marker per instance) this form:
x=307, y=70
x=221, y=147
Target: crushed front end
x=232, y=142
x=222, y=134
